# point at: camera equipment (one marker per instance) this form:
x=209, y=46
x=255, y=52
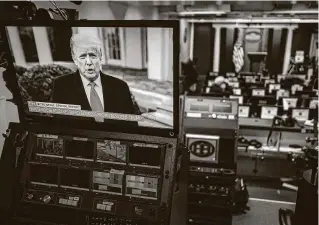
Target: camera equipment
x=210, y=127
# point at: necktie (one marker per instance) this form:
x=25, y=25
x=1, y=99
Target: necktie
x=95, y=101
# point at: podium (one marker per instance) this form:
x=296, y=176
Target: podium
x=255, y=59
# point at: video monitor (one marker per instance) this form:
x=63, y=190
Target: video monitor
x=79, y=150
x=145, y=155
x=313, y=104
x=111, y=151
x=243, y=111
x=268, y=112
x=110, y=181
x=74, y=178
x=258, y=92
x=288, y=103
x=142, y=186
x=43, y=175
x=49, y=146
x=97, y=73
x=300, y=114
x=273, y=88
x=282, y=93
x=237, y=91
x=239, y=97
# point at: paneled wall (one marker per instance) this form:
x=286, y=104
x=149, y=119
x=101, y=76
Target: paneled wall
x=204, y=47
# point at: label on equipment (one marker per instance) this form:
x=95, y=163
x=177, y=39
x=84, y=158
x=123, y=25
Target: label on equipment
x=145, y=145
x=47, y=136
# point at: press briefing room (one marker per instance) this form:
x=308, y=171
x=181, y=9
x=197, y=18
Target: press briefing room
x=159, y=112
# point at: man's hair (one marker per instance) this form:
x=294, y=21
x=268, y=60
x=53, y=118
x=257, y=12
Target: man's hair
x=85, y=41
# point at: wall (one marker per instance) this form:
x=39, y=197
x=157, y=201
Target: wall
x=302, y=38
x=184, y=40
x=204, y=47
x=276, y=50
x=251, y=46
x=133, y=48
x=313, y=52
x=272, y=40
x=160, y=54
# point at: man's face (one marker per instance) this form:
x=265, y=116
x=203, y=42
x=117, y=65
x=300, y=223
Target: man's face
x=88, y=61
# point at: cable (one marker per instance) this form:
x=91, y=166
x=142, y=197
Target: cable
x=59, y=10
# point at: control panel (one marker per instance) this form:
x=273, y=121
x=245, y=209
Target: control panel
x=111, y=179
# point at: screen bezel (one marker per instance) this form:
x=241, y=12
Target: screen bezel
x=78, y=123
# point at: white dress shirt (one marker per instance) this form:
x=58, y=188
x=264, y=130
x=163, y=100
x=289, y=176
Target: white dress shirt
x=98, y=88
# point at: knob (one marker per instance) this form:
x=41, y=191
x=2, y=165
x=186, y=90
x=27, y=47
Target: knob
x=46, y=199
x=29, y=196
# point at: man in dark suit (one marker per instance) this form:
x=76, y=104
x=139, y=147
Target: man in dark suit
x=88, y=86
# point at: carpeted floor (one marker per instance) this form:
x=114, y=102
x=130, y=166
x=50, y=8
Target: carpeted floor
x=261, y=213
x=264, y=205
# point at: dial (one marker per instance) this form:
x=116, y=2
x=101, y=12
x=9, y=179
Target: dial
x=46, y=199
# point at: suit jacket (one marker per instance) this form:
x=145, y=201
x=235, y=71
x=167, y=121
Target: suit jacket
x=68, y=89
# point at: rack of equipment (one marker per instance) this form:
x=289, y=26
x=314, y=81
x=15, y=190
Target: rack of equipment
x=210, y=127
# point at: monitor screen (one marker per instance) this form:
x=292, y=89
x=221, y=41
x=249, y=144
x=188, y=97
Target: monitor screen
x=222, y=107
x=49, y=146
x=111, y=151
x=74, y=178
x=142, y=186
x=43, y=175
x=110, y=181
x=80, y=150
x=147, y=155
x=98, y=72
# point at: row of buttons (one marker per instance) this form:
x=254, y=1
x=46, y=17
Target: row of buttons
x=68, y=202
